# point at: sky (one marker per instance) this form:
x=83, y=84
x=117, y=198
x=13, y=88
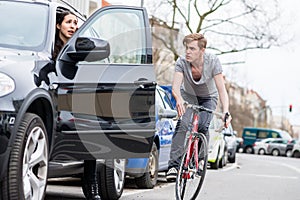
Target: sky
x=273, y=73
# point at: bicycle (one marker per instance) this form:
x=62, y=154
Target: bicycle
x=192, y=171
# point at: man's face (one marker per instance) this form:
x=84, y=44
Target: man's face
x=192, y=51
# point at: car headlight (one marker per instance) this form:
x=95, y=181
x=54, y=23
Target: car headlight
x=7, y=84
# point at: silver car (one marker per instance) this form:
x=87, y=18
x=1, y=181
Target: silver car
x=277, y=147
x=260, y=146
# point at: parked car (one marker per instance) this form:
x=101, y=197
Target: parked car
x=103, y=81
x=239, y=147
x=277, y=147
x=289, y=147
x=260, y=146
x=217, y=148
x=145, y=171
x=230, y=138
x=252, y=134
x=296, y=150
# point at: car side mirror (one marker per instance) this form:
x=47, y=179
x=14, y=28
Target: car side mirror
x=90, y=49
x=227, y=134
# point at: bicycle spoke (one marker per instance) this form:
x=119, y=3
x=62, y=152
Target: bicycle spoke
x=190, y=179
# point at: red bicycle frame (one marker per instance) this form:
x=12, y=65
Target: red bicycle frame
x=192, y=146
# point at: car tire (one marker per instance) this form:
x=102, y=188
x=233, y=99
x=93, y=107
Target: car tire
x=296, y=154
x=261, y=152
x=275, y=152
x=215, y=165
x=232, y=159
x=289, y=153
x=112, y=178
x=149, y=179
x=223, y=161
x=249, y=150
x=28, y=162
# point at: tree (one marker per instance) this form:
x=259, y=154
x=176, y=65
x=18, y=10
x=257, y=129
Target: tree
x=231, y=26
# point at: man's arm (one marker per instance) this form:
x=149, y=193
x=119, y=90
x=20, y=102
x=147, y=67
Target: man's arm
x=177, y=81
x=219, y=80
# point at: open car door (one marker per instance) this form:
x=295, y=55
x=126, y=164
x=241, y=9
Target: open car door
x=106, y=88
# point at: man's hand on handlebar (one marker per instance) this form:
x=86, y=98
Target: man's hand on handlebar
x=180, y=105
x=227, y=119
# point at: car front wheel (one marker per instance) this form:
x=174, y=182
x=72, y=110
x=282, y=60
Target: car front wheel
x=261, y=152
x=149, y=179
x=275, y=152
x=112, y=178
x=289, y=153
x=249, y=150
x=28, y=162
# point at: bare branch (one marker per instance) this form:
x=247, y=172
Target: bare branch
x=231, y=26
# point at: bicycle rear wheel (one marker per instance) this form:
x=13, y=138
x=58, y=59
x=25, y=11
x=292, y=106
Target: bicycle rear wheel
x=190, y=180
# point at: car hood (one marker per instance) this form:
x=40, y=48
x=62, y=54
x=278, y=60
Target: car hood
x=11, y=56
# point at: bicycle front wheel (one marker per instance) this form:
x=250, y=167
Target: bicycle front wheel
x=190, y=180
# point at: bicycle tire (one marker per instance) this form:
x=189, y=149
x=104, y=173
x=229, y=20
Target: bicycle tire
x=188, y=188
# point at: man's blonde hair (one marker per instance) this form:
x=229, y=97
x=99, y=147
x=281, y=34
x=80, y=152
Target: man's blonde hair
x=195, y=37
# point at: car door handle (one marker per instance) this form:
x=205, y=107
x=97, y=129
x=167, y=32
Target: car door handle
x=144, y=83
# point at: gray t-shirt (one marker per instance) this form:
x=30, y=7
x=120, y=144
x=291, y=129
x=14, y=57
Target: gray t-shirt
x=205, y=87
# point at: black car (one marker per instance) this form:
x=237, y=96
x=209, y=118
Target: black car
x=95, y=101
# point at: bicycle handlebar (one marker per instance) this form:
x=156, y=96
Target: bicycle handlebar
x=202, y=108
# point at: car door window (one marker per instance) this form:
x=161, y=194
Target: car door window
x=122, y=29
x=164, y=100
x=262, y=134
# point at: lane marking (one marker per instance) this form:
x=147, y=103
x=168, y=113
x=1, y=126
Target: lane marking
x=271, y=176
x=291, y=167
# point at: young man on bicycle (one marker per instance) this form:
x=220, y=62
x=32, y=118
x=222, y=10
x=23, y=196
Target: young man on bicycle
x=198, y=80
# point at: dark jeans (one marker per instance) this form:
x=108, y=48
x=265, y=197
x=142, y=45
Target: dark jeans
x=178, y=140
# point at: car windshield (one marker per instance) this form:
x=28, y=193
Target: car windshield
x=23, y=25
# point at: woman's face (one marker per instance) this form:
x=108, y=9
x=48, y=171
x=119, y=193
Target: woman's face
x=68, y=27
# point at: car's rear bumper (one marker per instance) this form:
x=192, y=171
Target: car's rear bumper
x=136, y=167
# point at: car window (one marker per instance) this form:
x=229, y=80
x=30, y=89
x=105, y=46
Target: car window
x=123, y=32
x=26, y=27
x=275, y=134
x=262, y=134
x=163, y=96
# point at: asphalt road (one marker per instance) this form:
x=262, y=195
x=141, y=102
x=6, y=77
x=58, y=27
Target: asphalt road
x=251, y=177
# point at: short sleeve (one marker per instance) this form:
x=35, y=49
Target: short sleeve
x=217, y=67
x=179, y=65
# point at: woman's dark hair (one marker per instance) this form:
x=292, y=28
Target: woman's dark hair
x=58, y=42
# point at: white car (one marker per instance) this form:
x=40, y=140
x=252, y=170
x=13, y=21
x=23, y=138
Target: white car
x=217, y=148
